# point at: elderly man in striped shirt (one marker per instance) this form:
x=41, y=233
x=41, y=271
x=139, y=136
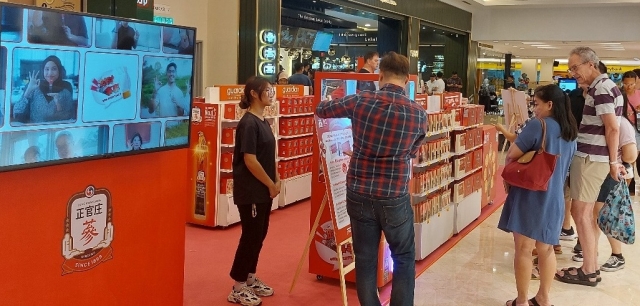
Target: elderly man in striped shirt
x=597, y=157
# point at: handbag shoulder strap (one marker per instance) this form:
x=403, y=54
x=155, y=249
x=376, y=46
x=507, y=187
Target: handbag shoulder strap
x=544, y=136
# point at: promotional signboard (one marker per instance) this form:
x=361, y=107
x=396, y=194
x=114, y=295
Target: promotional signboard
x=202, y=164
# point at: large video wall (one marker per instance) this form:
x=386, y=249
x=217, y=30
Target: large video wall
x=74, y=86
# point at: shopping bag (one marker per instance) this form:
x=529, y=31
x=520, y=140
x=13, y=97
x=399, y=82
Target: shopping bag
x=616, y=218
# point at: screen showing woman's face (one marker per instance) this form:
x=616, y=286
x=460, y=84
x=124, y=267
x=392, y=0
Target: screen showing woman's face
x=51, y=72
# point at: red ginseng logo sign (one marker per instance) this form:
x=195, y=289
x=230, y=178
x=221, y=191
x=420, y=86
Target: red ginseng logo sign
x=88, y=230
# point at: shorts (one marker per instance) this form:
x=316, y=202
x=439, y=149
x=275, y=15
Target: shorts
x=587, y=178
x=606, y=188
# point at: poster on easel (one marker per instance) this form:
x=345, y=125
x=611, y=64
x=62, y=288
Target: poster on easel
x=515, y=108
x=336, y=144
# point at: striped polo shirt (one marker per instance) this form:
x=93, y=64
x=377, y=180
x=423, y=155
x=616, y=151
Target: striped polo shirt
x=604, y=97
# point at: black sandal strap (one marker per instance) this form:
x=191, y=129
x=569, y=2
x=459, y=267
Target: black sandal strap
x=534, y=302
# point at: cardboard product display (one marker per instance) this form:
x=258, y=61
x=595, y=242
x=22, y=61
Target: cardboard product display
x=490, y=164
x=202, y=159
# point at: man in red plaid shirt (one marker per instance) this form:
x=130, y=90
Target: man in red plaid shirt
x=388, y=129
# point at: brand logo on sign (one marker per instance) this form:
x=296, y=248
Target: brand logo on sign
x=287, y=90
x=88, y=231
x=143, y=3
x=392, y=2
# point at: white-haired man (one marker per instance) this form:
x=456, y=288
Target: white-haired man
x=596, y=157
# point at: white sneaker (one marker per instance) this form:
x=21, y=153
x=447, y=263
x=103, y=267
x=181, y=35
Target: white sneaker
x=260, y=288
x=244, y=297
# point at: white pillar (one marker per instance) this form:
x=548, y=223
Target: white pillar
x=530, y=67
x=546, y=70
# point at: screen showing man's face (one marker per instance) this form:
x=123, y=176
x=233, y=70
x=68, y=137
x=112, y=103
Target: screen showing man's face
x=171, y=75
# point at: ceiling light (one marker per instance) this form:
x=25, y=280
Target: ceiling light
x=367, y=25
x=424, y=28
x=314, y=1
x=434, y=30
x=495, y=41
x=609, y=43
x=506, y=44
x=456, y=35
x=532, y=43
x=541, y=45
x=341, y=7
x=521, y=48
x=484, y=53
x=636, y=59
x=547, y=47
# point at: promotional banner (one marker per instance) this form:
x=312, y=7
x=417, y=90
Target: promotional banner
x=67, y=5
x=336, y=142
x=202, y=164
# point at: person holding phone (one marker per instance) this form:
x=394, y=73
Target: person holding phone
x=48, y=98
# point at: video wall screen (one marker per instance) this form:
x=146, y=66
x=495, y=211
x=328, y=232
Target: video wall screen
x=76, y=86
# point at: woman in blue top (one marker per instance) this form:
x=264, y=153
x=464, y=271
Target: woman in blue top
x=535, y=217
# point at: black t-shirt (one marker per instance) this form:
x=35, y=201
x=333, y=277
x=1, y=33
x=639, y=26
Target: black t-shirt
x=366, y=85
x=253, y=136
x=577, y=104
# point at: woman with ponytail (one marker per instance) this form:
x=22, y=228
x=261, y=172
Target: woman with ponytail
x=256, y=183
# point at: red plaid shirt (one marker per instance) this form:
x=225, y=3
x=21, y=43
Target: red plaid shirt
x=388, y=129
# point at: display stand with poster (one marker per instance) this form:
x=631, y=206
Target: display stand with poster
x=323, y=257
x=515, y=110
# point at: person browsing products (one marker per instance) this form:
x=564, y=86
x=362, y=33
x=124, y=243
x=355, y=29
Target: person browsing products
x=388, y=129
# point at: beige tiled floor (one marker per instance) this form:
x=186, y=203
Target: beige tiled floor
x=479, y=271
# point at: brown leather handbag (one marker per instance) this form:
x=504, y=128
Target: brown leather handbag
x=532, y=170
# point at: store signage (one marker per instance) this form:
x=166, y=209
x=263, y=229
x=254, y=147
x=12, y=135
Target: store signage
x=231, y=92
x=161, y=9
x=268, y=37
x=414, y=53
x=267, y=69
x=317, y=18
x=283, y=91
x=268, y=53
x=67, y=5
x=162, y=19
x=88, y=230
x=143, y=3
x=391, y=2
x=354, y=37
x=485, y=46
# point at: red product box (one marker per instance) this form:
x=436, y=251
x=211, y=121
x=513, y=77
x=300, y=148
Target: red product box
x=479, y=138
x=230, y=111
x=226, y=161
x=468, y=186
x=468, y=159
x=477, y=181
x=228, y=136
x=477, y=158
x=470, y=138
x=285, y=106
x=226, y=185
x=472, y=115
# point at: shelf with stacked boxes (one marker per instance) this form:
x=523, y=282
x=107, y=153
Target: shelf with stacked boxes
x=454, y=138
x=222, y=103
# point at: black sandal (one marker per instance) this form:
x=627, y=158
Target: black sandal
x=579, y=279
x=533, y=302
x=598, y=279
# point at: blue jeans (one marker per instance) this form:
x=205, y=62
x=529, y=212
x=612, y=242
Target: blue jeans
x=369, y=217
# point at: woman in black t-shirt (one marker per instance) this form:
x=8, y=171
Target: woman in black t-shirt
x=256, y=183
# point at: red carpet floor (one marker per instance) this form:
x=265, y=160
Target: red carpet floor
x=209, y=254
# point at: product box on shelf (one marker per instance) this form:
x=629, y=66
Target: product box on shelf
x=477, y=159
x=468, y=186
x=228, y=135
x=468, y=159
x=232, y=111
x=459, y=166
x=469, y=139
x=460, y=140
x=226, y=161
x=458, y=191
x=477, y=181
x=226, y=185
x=489, y=164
